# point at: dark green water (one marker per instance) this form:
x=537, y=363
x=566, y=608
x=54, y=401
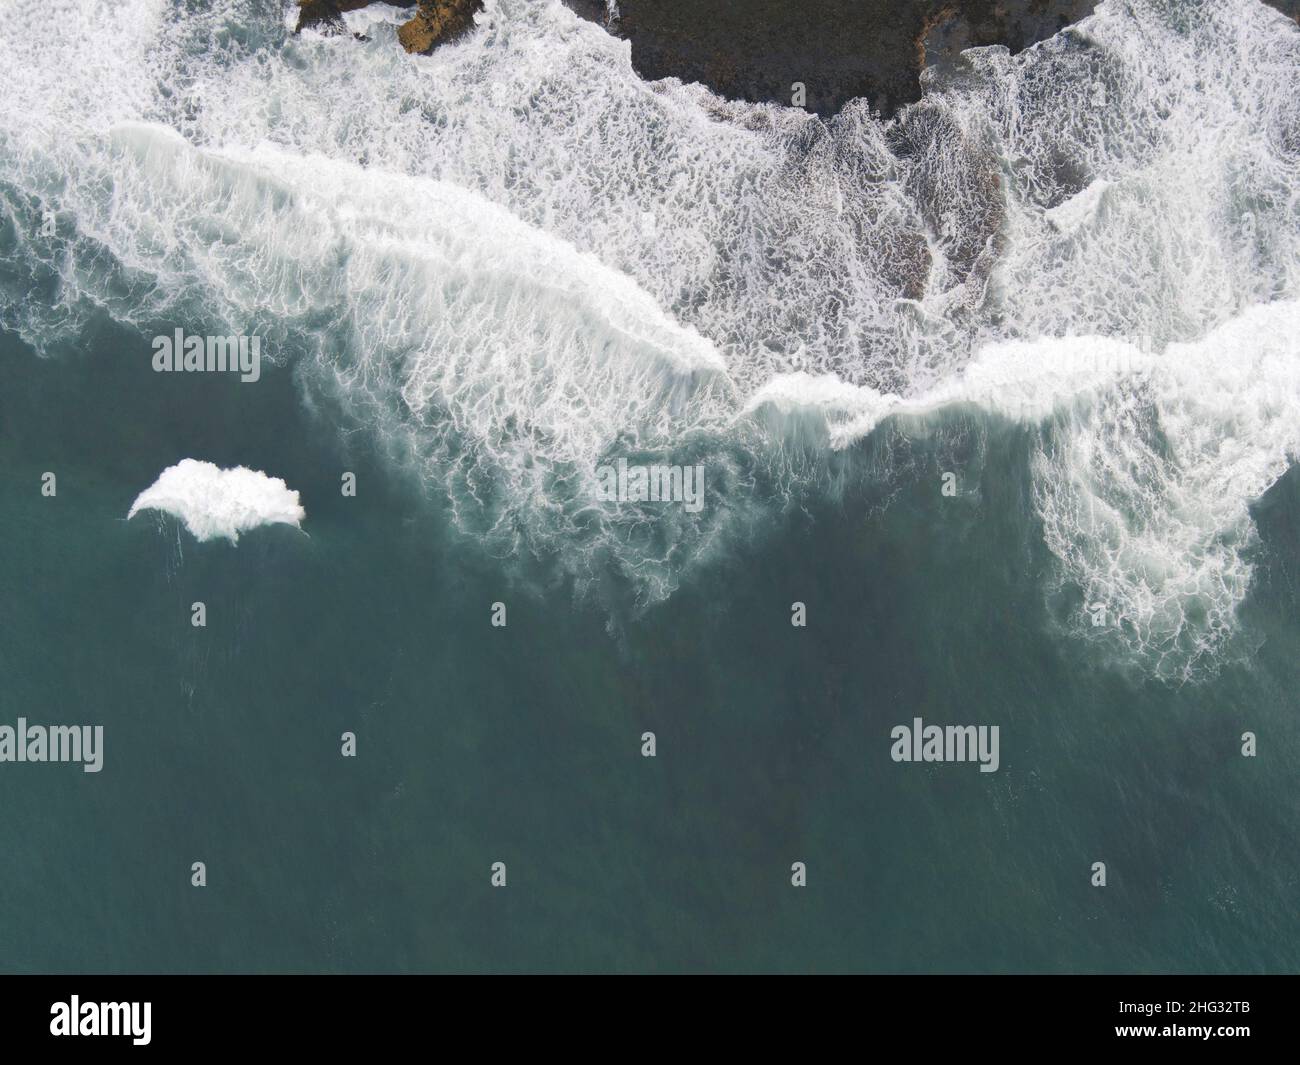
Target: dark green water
x=522, y=744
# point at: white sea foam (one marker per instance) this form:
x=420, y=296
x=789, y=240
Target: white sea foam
x=513, y=258
x=1145, y=479
x=366, y=19
x=1080, y=209
x=213, y=502
x=1022, y=380
x=1145, y=493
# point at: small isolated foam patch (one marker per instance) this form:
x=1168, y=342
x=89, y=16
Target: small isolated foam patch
x=213, y=502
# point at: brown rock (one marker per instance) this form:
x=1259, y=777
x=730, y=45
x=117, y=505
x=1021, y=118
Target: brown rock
x=436, y=21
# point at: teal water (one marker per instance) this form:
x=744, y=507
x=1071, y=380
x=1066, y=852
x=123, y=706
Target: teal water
x=1065, y=285
x=522, y=744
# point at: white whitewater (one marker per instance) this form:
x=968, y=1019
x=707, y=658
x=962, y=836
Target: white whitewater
x=215, y=503
x=514, y=258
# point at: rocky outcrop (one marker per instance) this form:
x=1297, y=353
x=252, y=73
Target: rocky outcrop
x=837, y=49
x=436, y=21
x=760, y=49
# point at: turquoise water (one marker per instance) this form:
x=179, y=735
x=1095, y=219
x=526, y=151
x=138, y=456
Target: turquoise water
x=522, y=744
x=1066, y=286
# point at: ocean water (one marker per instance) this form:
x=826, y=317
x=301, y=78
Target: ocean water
x=1065, y=287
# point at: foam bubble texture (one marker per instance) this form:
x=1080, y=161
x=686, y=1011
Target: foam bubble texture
x=513, y=259
x=215, y=503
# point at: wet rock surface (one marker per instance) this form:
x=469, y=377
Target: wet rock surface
x=759, y=50
x=837, y=50
x=818, y=54
x=432, y=21
x=436, y=21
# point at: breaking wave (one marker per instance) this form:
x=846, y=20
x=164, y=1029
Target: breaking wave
x=213, y=502
x=513, y=260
